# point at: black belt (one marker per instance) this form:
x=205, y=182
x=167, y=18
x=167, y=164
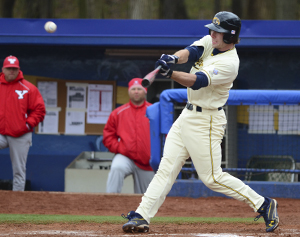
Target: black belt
x=189, y=106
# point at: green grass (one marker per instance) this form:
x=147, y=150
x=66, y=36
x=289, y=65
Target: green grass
x=48, y=219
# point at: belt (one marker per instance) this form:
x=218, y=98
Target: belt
x=189, y=106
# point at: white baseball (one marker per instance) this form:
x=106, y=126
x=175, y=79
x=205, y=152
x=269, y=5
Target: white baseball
x=50, y=26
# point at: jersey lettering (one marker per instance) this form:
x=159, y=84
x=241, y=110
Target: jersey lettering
x=199, y=64
x=21, y=93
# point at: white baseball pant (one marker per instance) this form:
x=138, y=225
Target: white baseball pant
x=197, y=135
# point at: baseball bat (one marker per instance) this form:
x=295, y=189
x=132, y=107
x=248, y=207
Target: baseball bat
x=150, y=77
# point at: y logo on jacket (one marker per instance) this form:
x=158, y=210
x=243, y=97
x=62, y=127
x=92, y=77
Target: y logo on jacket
x=21, y=93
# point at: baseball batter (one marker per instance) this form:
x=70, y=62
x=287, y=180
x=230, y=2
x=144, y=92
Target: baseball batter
x=198, y=131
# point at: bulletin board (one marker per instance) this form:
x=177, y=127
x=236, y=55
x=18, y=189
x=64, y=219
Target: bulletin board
x=90, y=128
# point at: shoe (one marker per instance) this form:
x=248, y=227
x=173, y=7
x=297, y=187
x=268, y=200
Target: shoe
x=136, y=223
x=269, y=212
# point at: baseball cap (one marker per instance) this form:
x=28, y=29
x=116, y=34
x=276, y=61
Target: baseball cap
x=136, y=82
x=11, y=61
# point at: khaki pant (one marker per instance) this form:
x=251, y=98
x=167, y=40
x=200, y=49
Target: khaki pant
x=121, y=167
x=18, y=150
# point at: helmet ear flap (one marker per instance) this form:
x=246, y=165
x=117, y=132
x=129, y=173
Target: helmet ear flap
x=227, y=38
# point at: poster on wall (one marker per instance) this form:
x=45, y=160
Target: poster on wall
x=48, y=90
x=50, y=123
x=75, y=122
x=76, y=95
x=100, y=103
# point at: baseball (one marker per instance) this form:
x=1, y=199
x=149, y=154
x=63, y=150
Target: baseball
x=50, y=27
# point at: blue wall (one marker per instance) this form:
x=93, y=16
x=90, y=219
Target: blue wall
x=47, y=159
x=266, y=144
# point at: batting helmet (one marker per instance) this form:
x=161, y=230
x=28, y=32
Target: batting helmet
x=227, y=23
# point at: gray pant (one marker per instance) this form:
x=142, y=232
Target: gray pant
x=121, y=167
x=18, y=150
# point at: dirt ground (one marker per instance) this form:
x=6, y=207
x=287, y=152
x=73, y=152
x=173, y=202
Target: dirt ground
x=114, y=205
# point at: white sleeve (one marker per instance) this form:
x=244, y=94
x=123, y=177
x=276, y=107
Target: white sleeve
x=220, y=73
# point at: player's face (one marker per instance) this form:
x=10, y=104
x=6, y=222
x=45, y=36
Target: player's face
x=137, y=95
x=217, y=40
x=10, y=73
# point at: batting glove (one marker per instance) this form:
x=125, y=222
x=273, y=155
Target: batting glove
x=169, y=58
x=165, y=68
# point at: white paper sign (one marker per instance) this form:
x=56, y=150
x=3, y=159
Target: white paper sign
x=75, y=122
x=76, y=96
x=50, y=123
x=48, y=90
x=100, y=98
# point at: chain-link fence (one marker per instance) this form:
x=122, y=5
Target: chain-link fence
x=261, y=143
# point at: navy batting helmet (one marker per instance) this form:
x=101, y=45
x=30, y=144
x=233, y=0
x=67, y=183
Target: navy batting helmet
x=227, y=23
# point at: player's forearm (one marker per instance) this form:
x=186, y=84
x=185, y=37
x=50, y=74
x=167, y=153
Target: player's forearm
x=183, y=78
x=183, y=56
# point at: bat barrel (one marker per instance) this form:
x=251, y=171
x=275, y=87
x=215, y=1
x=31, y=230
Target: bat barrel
x=150, y=77
x=145, y=83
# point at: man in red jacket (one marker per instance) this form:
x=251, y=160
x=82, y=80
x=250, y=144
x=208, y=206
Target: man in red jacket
x=127, y=133
x=21, y=109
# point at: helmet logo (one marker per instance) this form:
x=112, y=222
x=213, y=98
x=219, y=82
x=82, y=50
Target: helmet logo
x=216, y=21
x=233, y=32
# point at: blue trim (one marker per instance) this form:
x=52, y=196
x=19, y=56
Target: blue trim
x=195, y=52
x=153, y=113
x=201, y=81
x=141, y=33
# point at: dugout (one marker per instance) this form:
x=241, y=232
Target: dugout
x=262, y=131
x=118, y=50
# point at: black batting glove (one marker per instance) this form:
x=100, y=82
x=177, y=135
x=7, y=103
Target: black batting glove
x=165, y=68
x=169, y=59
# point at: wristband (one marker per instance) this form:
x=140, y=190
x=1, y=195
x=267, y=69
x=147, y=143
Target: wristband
x=169, y=74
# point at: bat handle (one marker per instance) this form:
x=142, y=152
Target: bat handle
x=158, y=68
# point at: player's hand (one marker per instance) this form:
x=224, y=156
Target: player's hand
x=165, y=68
x=169, y=58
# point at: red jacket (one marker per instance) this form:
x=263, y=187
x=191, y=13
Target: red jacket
x=127, y=132
x=20, y=103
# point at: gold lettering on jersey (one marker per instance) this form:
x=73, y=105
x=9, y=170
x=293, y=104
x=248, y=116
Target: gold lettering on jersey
x=199, y=64
x=216, y=21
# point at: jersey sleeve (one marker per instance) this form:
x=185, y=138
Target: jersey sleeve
x=195, y=53
x=204, y=42
x=220, y=73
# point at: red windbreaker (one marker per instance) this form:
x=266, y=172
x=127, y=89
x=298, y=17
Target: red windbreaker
x=20, y=103
x=127, y=132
